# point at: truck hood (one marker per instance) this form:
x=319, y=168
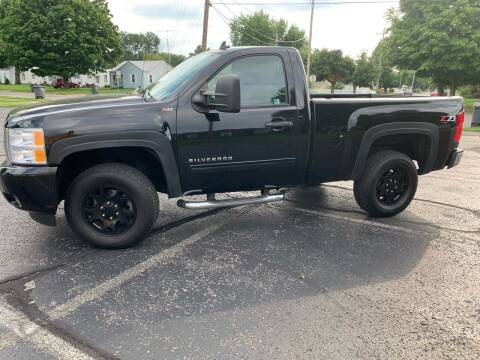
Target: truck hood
x=72, y=105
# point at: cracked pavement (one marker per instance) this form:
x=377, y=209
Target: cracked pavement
x=309, y=278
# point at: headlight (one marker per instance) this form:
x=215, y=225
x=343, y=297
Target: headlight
x=26, y=146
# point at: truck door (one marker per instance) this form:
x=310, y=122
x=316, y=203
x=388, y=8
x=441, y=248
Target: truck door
x=257, y=146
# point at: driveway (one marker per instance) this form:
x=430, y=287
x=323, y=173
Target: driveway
x=309, y=278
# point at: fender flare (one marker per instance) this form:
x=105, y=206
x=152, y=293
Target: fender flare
x=405, y=128
x=157, y=142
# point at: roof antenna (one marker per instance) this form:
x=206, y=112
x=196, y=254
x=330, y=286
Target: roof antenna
x=224, y=46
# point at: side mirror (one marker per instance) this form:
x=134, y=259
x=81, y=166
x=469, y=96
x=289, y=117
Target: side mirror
x=226, y=97
x=227, y=94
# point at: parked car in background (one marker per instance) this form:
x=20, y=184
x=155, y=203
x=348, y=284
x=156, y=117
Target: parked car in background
x=434, y=93
x=404, y=91
x=59, y=83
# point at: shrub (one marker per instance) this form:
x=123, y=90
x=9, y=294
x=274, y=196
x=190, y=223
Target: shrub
x=470, y=91
x=7, y=82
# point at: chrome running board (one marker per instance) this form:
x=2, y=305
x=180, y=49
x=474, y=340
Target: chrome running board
x=212, y=203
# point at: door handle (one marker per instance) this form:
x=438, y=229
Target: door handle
x=279, y=124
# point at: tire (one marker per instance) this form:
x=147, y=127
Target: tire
x=387, y=185
x=111, y=205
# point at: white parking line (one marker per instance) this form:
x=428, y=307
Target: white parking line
x=445, y=234
x=329, y=215
x=40, y=338
x=100, y=290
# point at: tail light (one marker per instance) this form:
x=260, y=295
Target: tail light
x=460, y=118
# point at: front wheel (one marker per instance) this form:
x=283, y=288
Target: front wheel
x=111, y=205
x=387, y=185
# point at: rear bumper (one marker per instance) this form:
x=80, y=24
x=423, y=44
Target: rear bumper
x=455, y=158
x=32, y=189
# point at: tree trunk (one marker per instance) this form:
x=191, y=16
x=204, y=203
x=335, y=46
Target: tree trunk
x=453, y=89
x=17, y=76
x=354, y=89
x=332, y=87
x=66, y=79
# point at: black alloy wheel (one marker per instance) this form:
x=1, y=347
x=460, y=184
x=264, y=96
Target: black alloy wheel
x=387, y=185
x=109, y=210
x=112, y=205
x=391, y=186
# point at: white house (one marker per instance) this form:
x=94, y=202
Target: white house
x=7, y=73
x=135, y=74
x=27, y=77
x=98, y=79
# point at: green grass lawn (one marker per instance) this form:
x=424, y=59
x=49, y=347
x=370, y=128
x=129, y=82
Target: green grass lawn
x=469, y=104
x=474, y=129
x=11, y=101
x=51, y=90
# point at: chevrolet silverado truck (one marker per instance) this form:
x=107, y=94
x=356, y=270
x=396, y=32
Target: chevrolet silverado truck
x=232, y=120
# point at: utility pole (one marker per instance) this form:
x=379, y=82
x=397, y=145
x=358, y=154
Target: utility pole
x=380, y=70
x=168, y=44
x=309, y=55
x=413, y=80
x=205, y=24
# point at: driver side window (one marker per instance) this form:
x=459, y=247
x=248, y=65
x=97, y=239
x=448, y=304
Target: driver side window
x=262, y=80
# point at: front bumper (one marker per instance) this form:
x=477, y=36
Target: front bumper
x=455, y=158
x=30, y=188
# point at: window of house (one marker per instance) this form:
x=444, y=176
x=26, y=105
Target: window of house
x=150, y=78
x=114, y=78
x=262, y=80
x=132, y=78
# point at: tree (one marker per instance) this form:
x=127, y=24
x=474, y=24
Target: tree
x=59, y=37
x=198, y=50
x=260, y=29
x=333, y=66
x=136, y=46
x=3, y=55
x=439, y=38
x=171, y=59
x=365, y=72
x=388, y=79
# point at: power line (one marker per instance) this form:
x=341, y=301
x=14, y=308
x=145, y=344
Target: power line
x=228, y=22
x=309, y=3
x=245, y=8
x=192, y=25
x=259, y=33
x=179, y=22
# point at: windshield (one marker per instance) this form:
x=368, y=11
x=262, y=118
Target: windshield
x=174, y=79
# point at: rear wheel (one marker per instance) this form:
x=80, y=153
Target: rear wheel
x=388, y=184
x=111, y=205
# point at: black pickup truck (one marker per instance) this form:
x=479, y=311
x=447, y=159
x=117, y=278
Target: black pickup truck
x=223, y=121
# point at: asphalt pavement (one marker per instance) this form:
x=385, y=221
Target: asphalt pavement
x=312, y=277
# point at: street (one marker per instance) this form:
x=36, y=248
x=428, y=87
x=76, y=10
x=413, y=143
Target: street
x=312, y=277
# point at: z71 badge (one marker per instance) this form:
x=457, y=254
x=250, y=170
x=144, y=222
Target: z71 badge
x=213, y=159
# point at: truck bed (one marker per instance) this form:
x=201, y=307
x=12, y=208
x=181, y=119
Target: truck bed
x=340, y=124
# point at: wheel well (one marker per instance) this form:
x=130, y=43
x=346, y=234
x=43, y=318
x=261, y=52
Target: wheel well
x=140, y=158
x=415, y=146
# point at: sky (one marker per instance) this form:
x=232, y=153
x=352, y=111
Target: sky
x=349, y=27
